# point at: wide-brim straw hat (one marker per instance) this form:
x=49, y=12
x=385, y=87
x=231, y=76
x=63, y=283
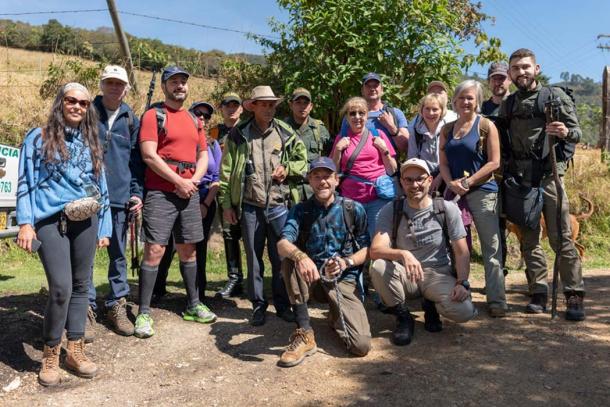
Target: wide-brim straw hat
x=261, y=93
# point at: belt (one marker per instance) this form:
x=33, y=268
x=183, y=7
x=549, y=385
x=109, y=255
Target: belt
x=182, y=165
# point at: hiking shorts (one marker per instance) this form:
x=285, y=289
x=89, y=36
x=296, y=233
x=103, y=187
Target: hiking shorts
x=166, y=213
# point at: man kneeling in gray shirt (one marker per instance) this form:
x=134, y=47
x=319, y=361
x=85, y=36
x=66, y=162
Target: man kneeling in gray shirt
x=413, y=258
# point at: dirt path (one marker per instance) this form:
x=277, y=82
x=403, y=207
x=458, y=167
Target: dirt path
x=519, y=360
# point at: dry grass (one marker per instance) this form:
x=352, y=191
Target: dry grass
x=22, y=72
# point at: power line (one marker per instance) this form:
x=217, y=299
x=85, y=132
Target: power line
x=211, y=27
x=54, y=12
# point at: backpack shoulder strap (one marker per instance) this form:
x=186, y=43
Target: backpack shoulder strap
x=544, y=95
x=446, y=130
x=349, y=218
x=305, y=224
x=397, y=205
x=484, y=129
x=388, y=108
x=161, y=114
x=510, y=105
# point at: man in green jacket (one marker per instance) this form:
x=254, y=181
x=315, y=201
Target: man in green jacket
x=312, y=131
x=263, y=162
x=531, y=166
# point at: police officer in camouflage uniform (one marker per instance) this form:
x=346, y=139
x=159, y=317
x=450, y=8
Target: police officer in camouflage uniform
x=231, y=110
x=527, y=127
x=313, y=133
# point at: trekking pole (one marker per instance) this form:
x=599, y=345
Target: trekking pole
x=551, y=110
x=151, y=89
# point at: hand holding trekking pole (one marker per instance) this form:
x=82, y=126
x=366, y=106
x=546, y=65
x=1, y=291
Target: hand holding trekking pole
x=557, y=129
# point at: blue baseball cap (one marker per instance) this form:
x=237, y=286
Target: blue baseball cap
x=171, y=71
x=371, y=76
x=322, y=162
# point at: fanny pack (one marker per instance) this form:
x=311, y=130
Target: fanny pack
x=384, y=186
x=84, y=208
x=181, y=166
x=522, y=204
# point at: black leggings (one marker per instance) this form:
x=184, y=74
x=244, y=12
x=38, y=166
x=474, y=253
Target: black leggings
x=67, y=261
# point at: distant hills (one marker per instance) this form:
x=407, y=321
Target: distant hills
x=101, y=45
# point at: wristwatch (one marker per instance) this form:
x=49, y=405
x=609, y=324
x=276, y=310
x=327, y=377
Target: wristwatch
x=465, y=183
x=463, y=283
x=349, y=261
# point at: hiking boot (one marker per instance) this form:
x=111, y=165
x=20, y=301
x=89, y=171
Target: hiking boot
x=286, y=314
x=302, y=343
x=258, y=315
x=575, y=309
x=497, y=312
x=90, y=325
x=405, y=325
x=49, y=372
x=233, y=288
x=537, y=304
x=144, y=326
x=432, y=321
x=76, y=360
x=117, y=316
x=199, y=313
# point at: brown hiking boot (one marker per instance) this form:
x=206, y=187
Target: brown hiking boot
x=575, y=309
x=77, y=361
x=90, y=325
x=117, y=316
x=49, y=372
x=302, y=343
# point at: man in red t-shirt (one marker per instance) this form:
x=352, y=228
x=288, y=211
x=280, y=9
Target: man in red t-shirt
x=174, y=148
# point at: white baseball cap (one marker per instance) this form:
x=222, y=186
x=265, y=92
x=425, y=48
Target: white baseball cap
x=116, y=72
x=415, y=162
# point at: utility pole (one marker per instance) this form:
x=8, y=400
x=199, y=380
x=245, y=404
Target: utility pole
x=124, y=45
x=605, y=133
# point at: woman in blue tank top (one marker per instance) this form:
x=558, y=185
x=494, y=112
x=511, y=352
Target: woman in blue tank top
x=469, y=154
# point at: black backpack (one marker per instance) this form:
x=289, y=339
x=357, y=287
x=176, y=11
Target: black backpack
x=349, y=219
x=438, y=206
x=564, y=150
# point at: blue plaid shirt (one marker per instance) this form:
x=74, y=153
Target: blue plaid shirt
x=328, y=233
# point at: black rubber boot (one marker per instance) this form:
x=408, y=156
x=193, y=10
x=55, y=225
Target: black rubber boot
x=432, y=321
x=405, y=325
x=575, y=309
x=537, y=304
x=234, y=285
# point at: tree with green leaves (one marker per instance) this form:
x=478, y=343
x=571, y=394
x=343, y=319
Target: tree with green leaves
x=327, y=46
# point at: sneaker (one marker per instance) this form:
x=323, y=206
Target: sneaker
x=537, y=304
x=144, y=326
x=258, y=315
x=90, y=325
x=302, y=343
x=199, y=313
x=575, y=310
x=117, y=316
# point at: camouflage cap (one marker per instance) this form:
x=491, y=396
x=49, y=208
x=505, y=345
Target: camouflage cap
x=230, y=97
x=300, y=92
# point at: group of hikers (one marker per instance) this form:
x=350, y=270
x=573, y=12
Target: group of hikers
x=387, y=203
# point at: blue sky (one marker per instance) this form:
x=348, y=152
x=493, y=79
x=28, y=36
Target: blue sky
x=561, y=32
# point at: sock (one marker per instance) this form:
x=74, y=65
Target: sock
x=148, y=276
x=189, y=276
x=302, y=316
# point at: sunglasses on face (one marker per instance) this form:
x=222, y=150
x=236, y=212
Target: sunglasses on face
x=205, y=115
x=356, y=113
x=71, y=101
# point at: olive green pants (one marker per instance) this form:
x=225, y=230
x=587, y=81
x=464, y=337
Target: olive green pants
x=570, y=270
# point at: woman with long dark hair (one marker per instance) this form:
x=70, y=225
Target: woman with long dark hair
x=63, y=213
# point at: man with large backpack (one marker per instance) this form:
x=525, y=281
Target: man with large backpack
x=530, y=167
x=312, y=131
x=118, y=132
x=262, y=163
x=420, y=250
x=174, y=148
x=324, y=244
